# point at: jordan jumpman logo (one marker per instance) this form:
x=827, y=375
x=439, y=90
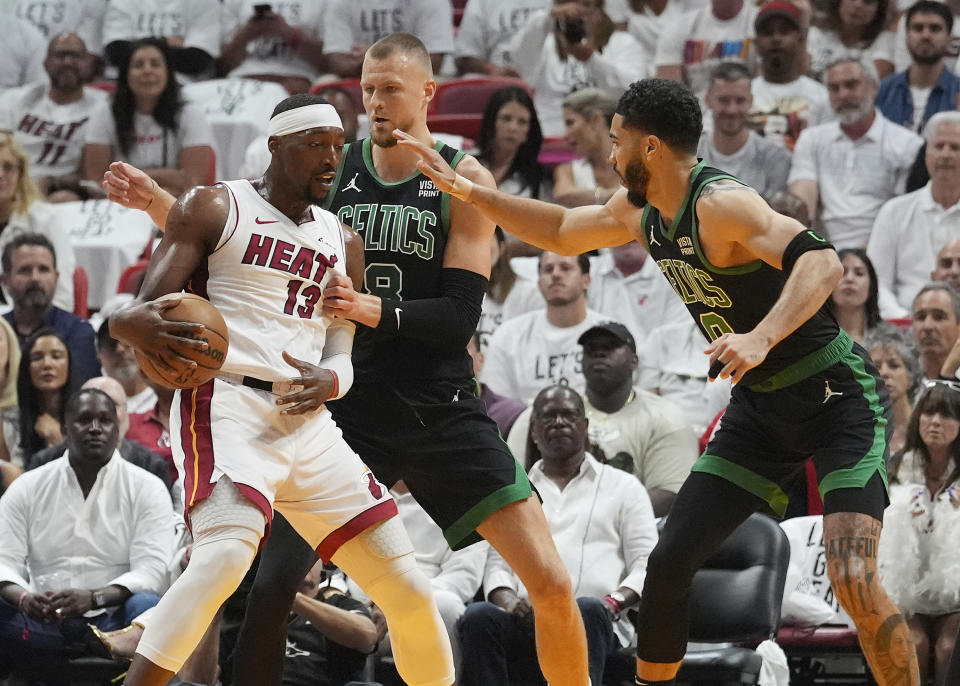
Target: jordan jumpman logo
x=352, y=186
x=827, y=392
x=653, y=239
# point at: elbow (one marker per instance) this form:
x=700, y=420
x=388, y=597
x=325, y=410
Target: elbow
x=834, y=269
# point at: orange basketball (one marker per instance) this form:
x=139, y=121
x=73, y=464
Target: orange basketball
x=196, y=310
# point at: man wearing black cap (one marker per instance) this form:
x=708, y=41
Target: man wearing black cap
x=631, y=425
x=784, y=100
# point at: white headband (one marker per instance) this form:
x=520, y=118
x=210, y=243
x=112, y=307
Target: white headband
x=303, y=118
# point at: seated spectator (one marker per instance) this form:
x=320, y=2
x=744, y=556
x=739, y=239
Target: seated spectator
x=48, y=118
x=508, y=294
x=846, y=169
x=509, y=143
x=910, y=228
x=604, y=530
x=531, y=351
x=118, y=362
x=759, y=162
x=673, y=366
x=282, y=44
x=22, y=211
x=190, y=29
x=46, y=380
x=573, y=46
x=84, y=539
x=911, y=97
x=133, y=453
x=948, y=265
x=648, y=433
x=696, y=42
x=9, y=414
x=853, y=30
x=785, y=101
x=352, y=26
x=148, y=125
x=30, y=277
x=590, y=179
x=21, y=52
x=485, y=31
x=82, y=17
x=647, y=20
x=855, y=299
x=895, y=356
x=501, y=409
x=918, y=552
x=936, y=327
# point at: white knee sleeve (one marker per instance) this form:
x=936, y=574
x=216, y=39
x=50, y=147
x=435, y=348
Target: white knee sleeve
x=382, y=563
x=227, y=530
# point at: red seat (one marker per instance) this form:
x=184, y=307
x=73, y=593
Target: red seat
x=466, y=125
x=132, y=277
x=555, y=151
x=81, y=290
x=107, y=86
x=351, y=86
x=470, y=95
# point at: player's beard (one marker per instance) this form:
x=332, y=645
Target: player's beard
x=635, y=178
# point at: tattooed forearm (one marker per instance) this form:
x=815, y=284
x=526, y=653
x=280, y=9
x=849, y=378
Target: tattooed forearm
x=852, y=546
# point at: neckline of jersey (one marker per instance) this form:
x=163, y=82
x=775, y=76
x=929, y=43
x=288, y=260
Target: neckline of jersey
x=367, y=148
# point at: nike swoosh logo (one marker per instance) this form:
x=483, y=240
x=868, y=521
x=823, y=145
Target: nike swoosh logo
x=398, y=311
x=258, y=220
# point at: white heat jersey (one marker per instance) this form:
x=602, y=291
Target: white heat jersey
x=266, y=277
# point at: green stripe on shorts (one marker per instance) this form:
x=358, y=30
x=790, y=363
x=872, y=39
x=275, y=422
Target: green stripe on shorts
x=462, y=532
x=871, y=463
x=768, y=491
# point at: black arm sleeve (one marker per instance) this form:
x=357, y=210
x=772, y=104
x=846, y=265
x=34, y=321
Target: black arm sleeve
x=448, y=321
x=801, y=243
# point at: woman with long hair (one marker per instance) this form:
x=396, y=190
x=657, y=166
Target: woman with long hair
x=44, y=383
x=509, y=142
x=919, y=559
x=855, y=300
x=853, y=28
x=148, y=124
x=23, y=210
x=895, y=356
x=589, y=179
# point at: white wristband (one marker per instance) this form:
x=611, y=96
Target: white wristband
x=462, y=188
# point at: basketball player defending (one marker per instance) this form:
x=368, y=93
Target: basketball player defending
x=755, y=282
x=253, y=437
x=413, y=412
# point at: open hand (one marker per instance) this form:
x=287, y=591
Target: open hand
x=311, y=389
x=738, y=353
x=430, y=162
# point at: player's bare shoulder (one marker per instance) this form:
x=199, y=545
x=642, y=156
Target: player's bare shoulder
x=202, y=210
x=731, y=205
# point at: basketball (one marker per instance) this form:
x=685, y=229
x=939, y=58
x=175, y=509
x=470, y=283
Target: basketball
x=196, y=310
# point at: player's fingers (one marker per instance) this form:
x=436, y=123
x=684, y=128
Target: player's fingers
x=300, y=365
x=173, y=361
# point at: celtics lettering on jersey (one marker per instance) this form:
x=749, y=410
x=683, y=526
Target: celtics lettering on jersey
x=394, y=228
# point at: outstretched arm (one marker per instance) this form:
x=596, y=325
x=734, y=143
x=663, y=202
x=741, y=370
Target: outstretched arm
x=132, y=187
x=548, y=226
x=740, y=218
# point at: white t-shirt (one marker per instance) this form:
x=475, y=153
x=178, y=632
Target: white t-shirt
x=53, y=17
x=909, y=232
x=524, y=297
x=919, y=96
x=762, y=164
x=534, y=51
x=22, y=51
x=52, y=135
x=699, y=42
x=271, y=54
x=854, y=178
x=781, y=110
x=151, y=139
x=364, y=22
x=196, y=21
x=825, y=46
x=488, y=25
x=645, y=25
x=528, y=353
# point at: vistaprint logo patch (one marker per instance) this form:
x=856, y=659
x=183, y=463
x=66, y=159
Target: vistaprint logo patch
x=428, y=189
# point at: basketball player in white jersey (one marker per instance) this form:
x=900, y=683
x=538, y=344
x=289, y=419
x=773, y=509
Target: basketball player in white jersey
x=254, y=438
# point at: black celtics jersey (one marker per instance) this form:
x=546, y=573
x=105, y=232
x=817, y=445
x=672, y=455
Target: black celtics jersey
x=404, y=226
x=727, y=300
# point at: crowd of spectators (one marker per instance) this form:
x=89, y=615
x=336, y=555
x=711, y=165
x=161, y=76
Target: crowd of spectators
x=841, y=113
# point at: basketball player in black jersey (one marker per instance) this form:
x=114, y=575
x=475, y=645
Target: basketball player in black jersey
x=413, y=412
x=755, y=282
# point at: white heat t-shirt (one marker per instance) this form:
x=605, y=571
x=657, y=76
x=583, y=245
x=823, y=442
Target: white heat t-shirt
x=364, y=22
x=53, y=17
x=52, y=135
x=271, y=54
x=488, y=25
x=197, y=22
x=266, y=277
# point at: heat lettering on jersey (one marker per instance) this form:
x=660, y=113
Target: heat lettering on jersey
x=693, y=285
x=265, y=251
x=393, y=228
